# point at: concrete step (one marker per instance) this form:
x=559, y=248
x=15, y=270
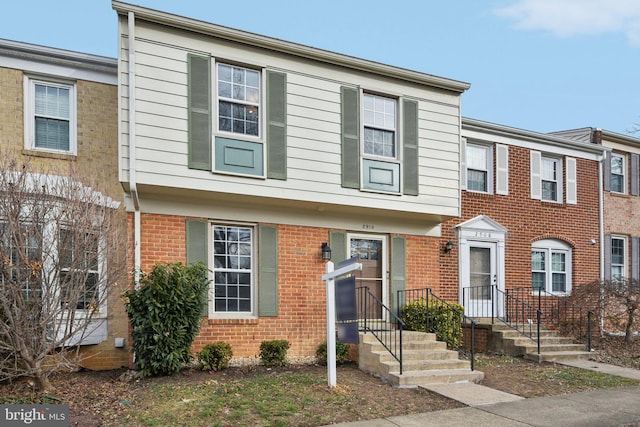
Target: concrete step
x=412, y=355
x=557, y=356
x=425, y=365
x=411, y=378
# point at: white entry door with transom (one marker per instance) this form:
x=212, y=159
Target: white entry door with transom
x=481, y=266
x=371, y=251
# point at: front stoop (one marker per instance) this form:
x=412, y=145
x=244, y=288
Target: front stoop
x=505, y=340
x=425, y=361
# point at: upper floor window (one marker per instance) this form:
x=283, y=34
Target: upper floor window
x=618, y=268
x=50, y=116
x=479, y=167
x=238, y=100
x=379, y=126
x=551, y=266
x=617, y=173
x=551, y=179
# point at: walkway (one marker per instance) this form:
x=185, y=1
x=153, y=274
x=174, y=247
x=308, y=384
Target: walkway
x=488, y=407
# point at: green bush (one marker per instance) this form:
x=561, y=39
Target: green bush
x=214, y=357
x=445, y=320
x=165, y=312
x=274, y=353
x=342, y=353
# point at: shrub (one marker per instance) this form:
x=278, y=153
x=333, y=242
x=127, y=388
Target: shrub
x=274, y=353
x=342, y=353
x=165, y=312
x=445, y=320
x=214, y=357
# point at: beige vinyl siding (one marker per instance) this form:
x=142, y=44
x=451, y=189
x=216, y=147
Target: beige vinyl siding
x=313, y=126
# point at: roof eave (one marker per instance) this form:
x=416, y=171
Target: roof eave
x=295, y=49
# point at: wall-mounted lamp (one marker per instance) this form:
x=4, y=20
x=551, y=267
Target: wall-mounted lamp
x=448, y=247
x=326, y=252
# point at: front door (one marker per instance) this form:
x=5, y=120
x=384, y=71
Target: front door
x=371, y=251
x=480, y=294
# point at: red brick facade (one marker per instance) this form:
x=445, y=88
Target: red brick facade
x=301, y=315
x=528, y=220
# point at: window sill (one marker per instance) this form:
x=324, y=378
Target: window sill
x=48, y=154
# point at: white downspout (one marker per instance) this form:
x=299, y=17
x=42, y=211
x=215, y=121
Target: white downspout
x=133, y=188
x=603, y=159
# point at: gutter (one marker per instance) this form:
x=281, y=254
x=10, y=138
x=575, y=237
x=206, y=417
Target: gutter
x=133, y=186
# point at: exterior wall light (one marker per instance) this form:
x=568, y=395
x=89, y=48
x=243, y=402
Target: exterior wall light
x=326, y=252
x=448, y=247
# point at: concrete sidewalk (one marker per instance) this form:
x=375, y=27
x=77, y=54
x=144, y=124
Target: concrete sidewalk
x=489, y=407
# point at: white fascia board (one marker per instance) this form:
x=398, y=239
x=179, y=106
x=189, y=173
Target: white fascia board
x=59, y=63
x=489, y=132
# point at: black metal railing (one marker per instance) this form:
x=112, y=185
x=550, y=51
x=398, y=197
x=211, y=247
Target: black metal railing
x=442, y=318
x=558, y=312
x=377, y=319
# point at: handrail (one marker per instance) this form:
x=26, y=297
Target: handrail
x=379, y=320
x=559, y=312
x=445, y=320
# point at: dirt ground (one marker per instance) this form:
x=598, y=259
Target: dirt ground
x=100, y=398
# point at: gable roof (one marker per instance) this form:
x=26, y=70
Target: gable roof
x=299, y=50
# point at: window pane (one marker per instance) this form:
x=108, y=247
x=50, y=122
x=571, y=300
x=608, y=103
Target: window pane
x=233, y=251
x=559, y=282
x=558, y=262
x=617, y=251
x=617, y=165
x=476, y=157
x=549, y=190
x=240, y=88
x=476, y=180
x=537, y=280
x=549, y=169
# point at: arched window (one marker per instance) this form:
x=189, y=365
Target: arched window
x=551, y=266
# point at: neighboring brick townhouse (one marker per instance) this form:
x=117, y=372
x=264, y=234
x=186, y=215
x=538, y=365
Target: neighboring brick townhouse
x=81, y=132
x=530, y=217
x=621, y=199
x=249, y=153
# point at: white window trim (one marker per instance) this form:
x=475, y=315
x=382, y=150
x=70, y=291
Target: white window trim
x=624, y=256
x=253, y=314
x=559, y=179
x=29, y=113
x=395, y=129
x=261, y=103
x=624, y=173
x=488, y=166
x=550, y=246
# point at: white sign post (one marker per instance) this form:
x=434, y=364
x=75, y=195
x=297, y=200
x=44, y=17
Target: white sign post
x=344, y=267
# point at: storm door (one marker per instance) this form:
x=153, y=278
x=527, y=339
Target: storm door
x=371, y=251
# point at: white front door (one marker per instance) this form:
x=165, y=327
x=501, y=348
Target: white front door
x=480, y=294
x=481, y=244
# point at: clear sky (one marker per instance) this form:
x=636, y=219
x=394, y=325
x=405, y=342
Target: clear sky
x=540, y=65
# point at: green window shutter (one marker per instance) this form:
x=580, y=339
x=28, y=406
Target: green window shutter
x=268, y=271
x=338, y=245
x=276, y=125
x=199, y=102
x=398, y=269
x=410, y=147
x=198, y=246
x=350, y=114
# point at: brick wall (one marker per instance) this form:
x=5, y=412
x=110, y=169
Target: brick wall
x=301, y=293
x=528, y=220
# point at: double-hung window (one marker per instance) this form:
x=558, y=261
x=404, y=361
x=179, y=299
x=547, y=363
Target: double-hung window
x=479, y=166
x=551, y=266
x=618, y=268
x=233, y=269
x=24, y=249
x=381, y=167
x=238, y=100
x=79, y=275
x=617, y=173
x=551, y=179
x=50, y=116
